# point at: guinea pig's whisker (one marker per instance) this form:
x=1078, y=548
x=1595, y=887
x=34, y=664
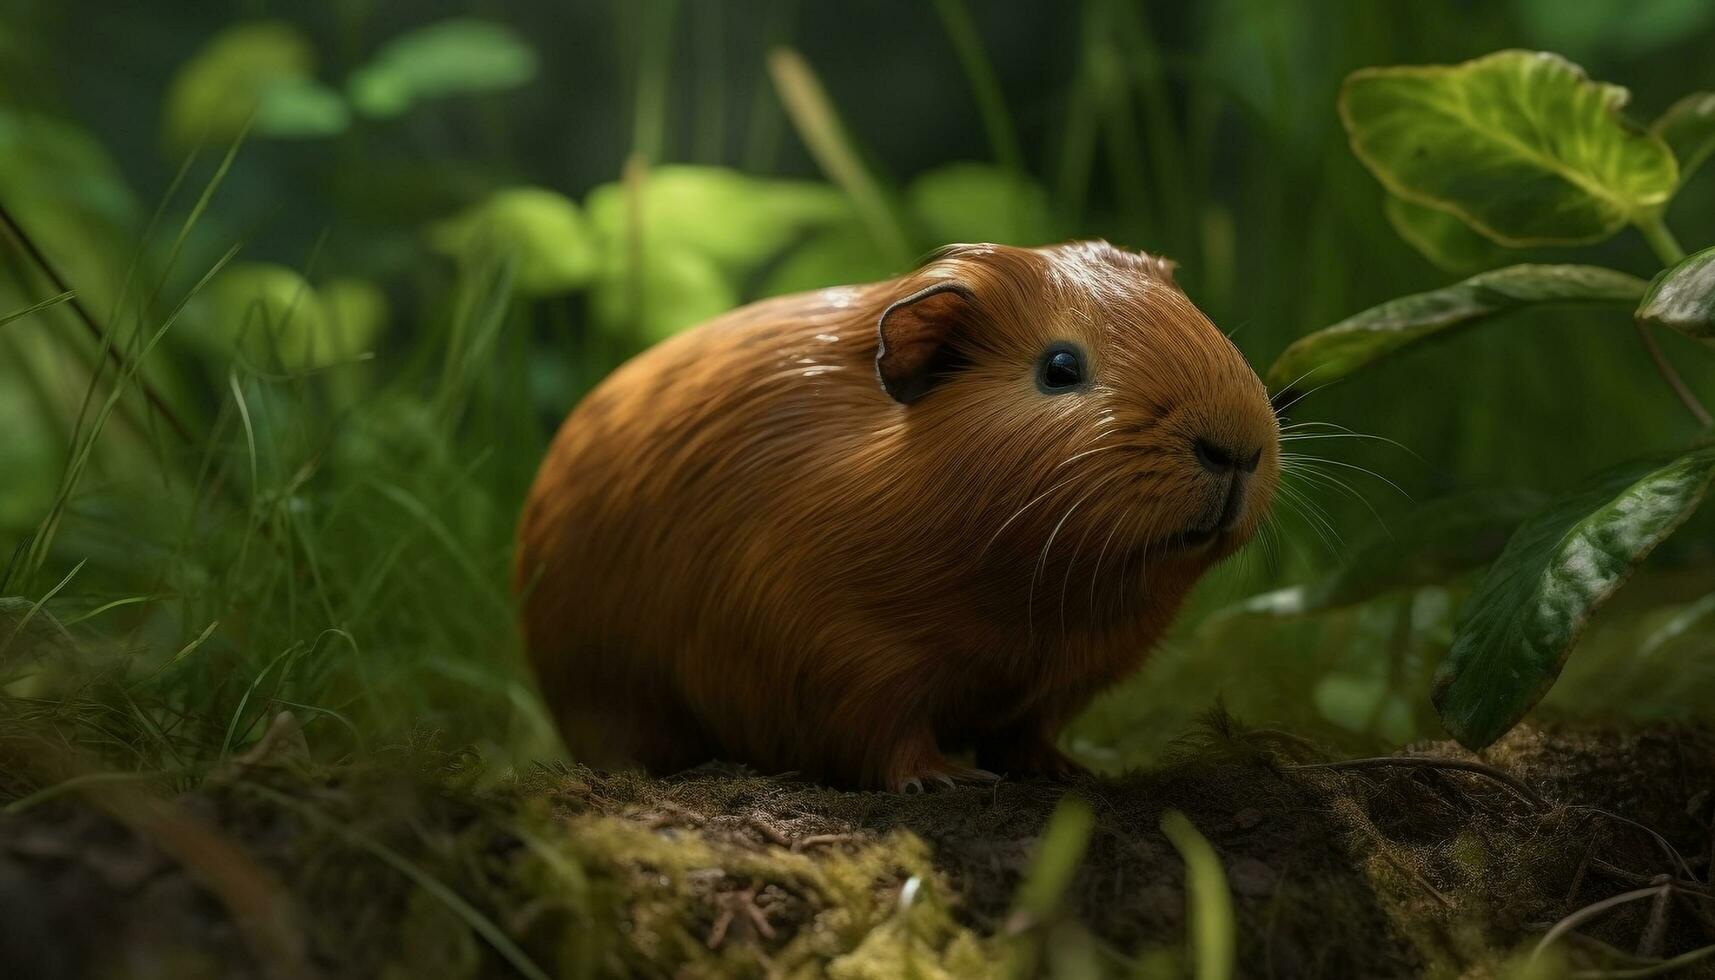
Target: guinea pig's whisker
x=1020, y=511
x=1042, y=559
x=1280, y=411
x=1078, y=549
x=1088, y=452
x=1313, y=516
x=1308, y=470
x=1351, y=466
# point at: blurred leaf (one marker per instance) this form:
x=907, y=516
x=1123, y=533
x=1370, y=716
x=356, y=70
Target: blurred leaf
x=1683, y=297
x=1687, y=618
x=542, y=229
x=1208, y=899
x=1358, y=340
x=1688, y=128
x=450, y=57
x=261, y=311
x=1443, y=237
x=1522, y=621
x=356, y=309
x=65, y=190
x=836, y=256
x=735, y=219
x=980, y=202
x=1520, y=144
x=1364, y=704
x=1059, y=851
x=301, y=108
x=680, y=288
x=213, y=95
x=1629, y=29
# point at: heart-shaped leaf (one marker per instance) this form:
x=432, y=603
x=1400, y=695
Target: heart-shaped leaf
x=451, y=57
x=1520, y=144
x=1337, y=351
x=1517, y=628
x=1443, y=237
x=1683, y=297
x=1688, y=128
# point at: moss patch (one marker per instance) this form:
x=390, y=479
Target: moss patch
x=417, y=864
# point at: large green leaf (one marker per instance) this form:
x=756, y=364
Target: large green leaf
x=737, y=220
x=1431, y=545
x=679, y=288
x=450, y=57
x=980, y=202
x=1520, y=144
x=1517, y=628
x=1443, y=237
x=214, y=95
x=1358, y=340
x=542, y=230
x=267, y=312
x=1688, y=127
x=1683, y=297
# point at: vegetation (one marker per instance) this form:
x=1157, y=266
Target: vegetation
x=292, y=298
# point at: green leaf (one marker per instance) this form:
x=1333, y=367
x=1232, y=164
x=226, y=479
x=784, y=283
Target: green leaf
x=1518, y=627
x=1683, y=297
x=1520, y=144
x=450, y=57
x=1688, y=128
x=214, y=94
x=979, y=202
x=1443, y=237
x=543, y=230
x=680, y=288
x=835, y=256
x=1358, y=340
x=737, y=220
x=266, y=312
x=301, y=108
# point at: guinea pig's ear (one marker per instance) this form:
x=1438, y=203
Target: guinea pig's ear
x=915, y=334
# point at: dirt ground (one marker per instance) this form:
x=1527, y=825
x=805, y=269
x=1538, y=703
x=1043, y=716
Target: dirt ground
x=427, y=865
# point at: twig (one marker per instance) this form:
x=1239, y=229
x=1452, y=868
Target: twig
x=29, y=248
x=1671, y=376
x=1382, y=762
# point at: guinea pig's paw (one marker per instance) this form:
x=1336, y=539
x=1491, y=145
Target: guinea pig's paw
x=946, y=777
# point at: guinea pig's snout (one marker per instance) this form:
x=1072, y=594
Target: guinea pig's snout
x=1221, y=460
x=1231, y=468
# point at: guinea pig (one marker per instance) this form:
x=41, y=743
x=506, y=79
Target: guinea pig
x=857, y=532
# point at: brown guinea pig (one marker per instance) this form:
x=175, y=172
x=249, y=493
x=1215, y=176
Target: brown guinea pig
x=850, y=532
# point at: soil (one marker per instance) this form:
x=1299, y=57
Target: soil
x=425, y=864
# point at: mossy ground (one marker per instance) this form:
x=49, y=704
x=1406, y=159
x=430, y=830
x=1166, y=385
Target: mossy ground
x=423, y=863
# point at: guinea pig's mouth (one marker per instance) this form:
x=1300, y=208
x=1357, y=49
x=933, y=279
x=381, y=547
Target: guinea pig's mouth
x=1194, y=539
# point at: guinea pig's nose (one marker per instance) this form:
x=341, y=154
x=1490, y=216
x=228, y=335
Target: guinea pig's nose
x=1221, y=459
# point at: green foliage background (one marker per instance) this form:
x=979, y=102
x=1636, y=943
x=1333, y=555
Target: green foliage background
x=450, y=221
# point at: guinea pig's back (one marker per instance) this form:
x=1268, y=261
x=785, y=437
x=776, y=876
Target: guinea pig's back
x=676, y=499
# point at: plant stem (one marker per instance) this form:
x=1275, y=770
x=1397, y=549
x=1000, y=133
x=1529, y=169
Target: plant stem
x=1661, y=240
x=1667, y=248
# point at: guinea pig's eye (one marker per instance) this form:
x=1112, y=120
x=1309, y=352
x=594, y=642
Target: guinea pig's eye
x=1061, y=369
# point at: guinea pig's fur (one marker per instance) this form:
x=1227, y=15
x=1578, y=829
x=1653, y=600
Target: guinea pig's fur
x=850, y=532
